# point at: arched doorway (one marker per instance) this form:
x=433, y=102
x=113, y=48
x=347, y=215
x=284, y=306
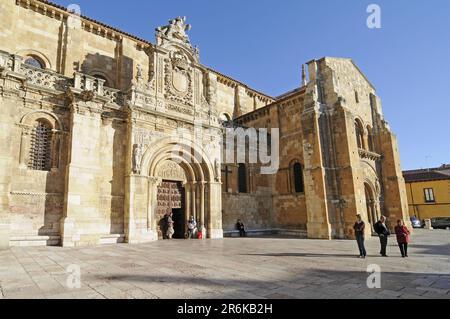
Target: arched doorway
x=171, y=198
x=182, y=180
x=372, y=213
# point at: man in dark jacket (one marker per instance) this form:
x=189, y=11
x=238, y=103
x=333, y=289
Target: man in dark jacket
x=241, y=228
x=383, y=233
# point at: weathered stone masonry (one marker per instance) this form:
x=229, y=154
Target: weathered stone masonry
x=90, y=115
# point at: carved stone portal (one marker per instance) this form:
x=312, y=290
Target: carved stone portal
x=169, y=170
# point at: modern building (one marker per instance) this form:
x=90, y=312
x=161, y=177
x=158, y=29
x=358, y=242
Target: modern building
x=428, y=192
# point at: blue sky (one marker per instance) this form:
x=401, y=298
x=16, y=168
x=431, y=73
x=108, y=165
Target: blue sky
x=264, y=42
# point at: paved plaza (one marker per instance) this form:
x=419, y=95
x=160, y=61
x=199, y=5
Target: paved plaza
x=229, y=268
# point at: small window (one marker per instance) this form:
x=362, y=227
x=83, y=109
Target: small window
x=34, y=62
x=429, y=195
x=242, y=179
x=298, y=178
x=41, y=148
x=359, y=134
x=370, y=139
x=356, y=97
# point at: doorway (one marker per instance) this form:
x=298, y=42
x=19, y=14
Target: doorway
x=171, y=200
x=179, y=223
x=370, y=206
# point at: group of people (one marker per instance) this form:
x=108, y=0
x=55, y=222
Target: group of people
x=401, y=231
x=168, y=230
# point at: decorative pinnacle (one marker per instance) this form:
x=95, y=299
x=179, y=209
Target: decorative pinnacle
x=303, y=75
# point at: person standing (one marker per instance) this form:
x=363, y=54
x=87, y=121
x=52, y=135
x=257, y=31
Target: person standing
x=359, y=228
x=163, y=226
x=170, y=229
x=383, y=233
x=192, y=227
x=241, y=228
x=403, y=237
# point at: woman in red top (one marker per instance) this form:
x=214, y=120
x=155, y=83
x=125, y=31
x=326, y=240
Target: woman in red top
x=403, y=234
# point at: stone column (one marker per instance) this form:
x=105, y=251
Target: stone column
x=187, y=204
x=214, y=210
x=201, y=186
x=152, y=203
x=194, y=199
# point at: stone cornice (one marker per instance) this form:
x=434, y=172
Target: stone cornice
x=369, y=155
x=60, y=13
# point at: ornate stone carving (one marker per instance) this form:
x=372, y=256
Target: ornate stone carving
x=44, y=78
x=170, y=170
x=308, y=148
x=369, y=155
x=137, y=157
x=218, y=170
x=178, y=79
x=180, y=109
x=176, y=32
x=87, y=96
x=146, y=137
x=211, y=90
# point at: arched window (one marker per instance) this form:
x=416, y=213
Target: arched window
x=242, y=179
x=297, y=174
x=41, y=147
x=359, y=134
x=34, y=61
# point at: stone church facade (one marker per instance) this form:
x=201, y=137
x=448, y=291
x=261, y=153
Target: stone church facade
x=103, y=133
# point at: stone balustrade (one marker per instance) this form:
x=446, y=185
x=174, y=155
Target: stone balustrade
x=53, y=81
x=45, y=78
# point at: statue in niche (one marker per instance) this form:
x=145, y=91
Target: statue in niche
x=137, y=156
x=138, y=72
x=218, y=170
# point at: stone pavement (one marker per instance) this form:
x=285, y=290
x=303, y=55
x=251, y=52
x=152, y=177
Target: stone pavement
x=230, y=268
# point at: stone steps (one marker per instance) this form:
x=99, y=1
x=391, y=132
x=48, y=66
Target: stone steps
x=299, y=233
x=112, y=239
x=34, y=240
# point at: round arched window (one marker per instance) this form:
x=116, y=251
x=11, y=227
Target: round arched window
x=34, y=62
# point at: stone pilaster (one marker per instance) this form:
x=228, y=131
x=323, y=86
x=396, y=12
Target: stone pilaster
x=318, y=225
x=395, y=198
x=214, y=222
x=83, y=223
